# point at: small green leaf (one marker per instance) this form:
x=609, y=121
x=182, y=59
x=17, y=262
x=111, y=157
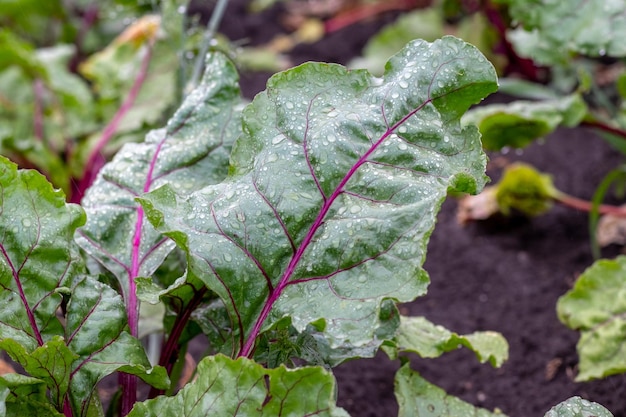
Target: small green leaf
x=578, y=407
x=228, y=387
x=418, y=335
x=51, y=363
x=524, y=189
x=596, y=306
x=25, y=396
x=418, y=398
x=519, y=123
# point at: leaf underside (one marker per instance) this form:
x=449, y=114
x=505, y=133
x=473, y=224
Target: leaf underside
x=332, y=194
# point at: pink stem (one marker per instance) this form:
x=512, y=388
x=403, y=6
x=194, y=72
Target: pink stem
x=96, y=160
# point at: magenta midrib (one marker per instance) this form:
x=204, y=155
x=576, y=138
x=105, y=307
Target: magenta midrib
x=295, y=259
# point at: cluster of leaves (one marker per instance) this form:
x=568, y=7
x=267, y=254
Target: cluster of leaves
x=563, y=62
x=285, y=230
x=308, y=237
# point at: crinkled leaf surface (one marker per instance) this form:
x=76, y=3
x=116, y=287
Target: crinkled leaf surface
x=22, y=395
x=578, y=407
x=102, y=346
x=416, y=334
x=241, y=387
x=37, y=255
x=333, y=192
x=418, y=398
x=553, y=30
x=191, y=152
x=519, y=123
x=597, y=307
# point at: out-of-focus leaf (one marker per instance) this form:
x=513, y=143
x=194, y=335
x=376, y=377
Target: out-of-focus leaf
x=519, y=123
x=551, y=32
x=596, y=306
x=524, y=189
x=191, y=152
x=241, y=387
x=418, y=335
x=418, y=398
x=24, y=396
x=424, y=24
x=578, y=407
x=333, y=192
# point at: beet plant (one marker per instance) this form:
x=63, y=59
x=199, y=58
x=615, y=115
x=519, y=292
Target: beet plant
x=286, y=231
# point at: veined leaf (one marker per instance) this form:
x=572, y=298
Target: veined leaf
x=519, y=123
x=553, y=30
x=191, y=152
x=416, y=334
x=596, y=306
x=37, y=255
x=39, y=262
x=241, y=387
x=418, y=398
x=578, y=407
x=333, y=192
x=22, y=395
x=102, y=346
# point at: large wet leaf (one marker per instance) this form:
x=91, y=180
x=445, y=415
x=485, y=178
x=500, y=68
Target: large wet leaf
x=241, y=387
x=596, y=306
x=333, y=192
x=418, y=335
x=22, y=395
x=191, y=152
x=578, y=407
x=554, y=30
x=418, y=398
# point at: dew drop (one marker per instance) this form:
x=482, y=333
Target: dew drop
x=26, y=222
x=403, y=84
x=228, y=257
x=277, y=139
x=402, y=146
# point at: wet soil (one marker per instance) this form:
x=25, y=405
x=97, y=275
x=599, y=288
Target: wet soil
x=504, y=275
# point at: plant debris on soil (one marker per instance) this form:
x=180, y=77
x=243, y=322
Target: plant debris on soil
x=505, y=274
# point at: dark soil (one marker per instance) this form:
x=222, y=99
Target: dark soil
x=504, y=275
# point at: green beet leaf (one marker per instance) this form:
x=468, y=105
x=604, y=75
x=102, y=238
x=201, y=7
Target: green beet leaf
x=22, y=395
x=518, y=124
x=596, y=306
x=578, y=407
x=37, y=255
x=552, y=31
x=418, y=398
x=191, y=152
x=103, y=346
x=332, y=193
x=241, y=387
x=416, y=334
x=40, y=267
